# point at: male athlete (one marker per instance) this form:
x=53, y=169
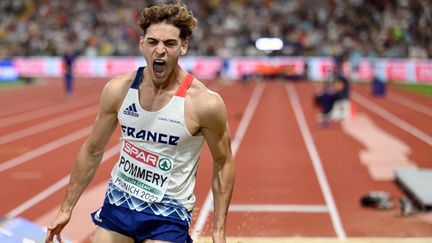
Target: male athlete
x=165, y=114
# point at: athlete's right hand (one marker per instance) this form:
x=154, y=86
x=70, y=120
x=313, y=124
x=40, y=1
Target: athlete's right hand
x=56, y=227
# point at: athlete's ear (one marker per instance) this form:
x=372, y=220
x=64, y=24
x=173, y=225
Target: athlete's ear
x=141, y=44
x=184, y=47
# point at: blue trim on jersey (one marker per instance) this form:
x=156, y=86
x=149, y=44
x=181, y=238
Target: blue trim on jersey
x=137, y=80
x=168, y=207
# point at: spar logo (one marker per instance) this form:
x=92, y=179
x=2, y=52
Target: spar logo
x=147, y=158
x=165, y=164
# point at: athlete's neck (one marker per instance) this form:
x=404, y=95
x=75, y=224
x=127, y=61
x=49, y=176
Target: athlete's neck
x=171, y=82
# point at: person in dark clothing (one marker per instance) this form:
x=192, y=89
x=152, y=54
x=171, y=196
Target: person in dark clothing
x=344, y=91
x=330, y=95
x=325, y=99
x=68, y=61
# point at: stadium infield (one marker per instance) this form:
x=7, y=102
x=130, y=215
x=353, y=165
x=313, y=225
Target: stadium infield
x=297, y=181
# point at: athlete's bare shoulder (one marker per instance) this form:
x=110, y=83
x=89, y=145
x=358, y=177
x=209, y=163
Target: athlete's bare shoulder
x=119, y=84
x=115, y=90
x=208, y=106
x=201, y=94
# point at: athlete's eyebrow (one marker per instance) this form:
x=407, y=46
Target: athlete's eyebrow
x=165, y=41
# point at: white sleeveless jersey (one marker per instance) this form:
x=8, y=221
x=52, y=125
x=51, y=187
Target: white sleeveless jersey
x=158, y=156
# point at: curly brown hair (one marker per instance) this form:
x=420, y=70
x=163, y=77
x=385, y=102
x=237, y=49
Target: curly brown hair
x=176, y=14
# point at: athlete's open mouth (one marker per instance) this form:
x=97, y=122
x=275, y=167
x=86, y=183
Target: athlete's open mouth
x=159, y=66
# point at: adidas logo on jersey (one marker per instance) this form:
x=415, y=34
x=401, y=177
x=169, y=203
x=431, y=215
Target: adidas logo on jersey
x=131, y=110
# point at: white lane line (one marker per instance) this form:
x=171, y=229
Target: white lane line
x=391, y=118
x=410, y=104
x=278, y=208
x=92, y=110
x=33, y=114
x=316, y=161
x=311, y=239
x=45, y=149
x=55, y=187
x=244, y=123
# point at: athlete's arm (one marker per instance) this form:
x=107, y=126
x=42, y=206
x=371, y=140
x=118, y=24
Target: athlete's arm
x=88, y=158
x=216, y=132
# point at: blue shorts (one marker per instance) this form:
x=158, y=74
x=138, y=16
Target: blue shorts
x=140, y=225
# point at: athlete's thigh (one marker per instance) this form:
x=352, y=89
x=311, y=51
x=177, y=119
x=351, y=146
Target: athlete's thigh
x=106, y=236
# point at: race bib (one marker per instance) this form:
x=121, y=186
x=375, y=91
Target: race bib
x=143, y=174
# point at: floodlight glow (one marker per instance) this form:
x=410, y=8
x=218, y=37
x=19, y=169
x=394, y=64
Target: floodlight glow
x=269, y=44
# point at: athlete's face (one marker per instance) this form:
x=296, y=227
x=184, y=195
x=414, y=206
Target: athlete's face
x=162, y=47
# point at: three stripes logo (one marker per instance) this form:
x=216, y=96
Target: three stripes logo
x=131, y=110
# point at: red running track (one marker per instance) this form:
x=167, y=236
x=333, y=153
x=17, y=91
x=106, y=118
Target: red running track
x=294, y=179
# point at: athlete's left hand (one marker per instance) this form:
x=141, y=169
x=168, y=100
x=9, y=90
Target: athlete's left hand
x=56, y=227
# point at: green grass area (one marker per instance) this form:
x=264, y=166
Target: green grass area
x=425, y=89
x=17, y=83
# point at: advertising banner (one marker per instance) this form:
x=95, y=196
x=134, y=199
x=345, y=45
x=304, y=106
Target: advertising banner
x=314, y=68
x=8, y=72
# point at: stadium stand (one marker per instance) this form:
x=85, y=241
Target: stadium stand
x=364, y=28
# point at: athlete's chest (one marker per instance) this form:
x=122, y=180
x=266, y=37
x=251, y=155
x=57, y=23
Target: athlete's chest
x=151, y=101
x=165, y=111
